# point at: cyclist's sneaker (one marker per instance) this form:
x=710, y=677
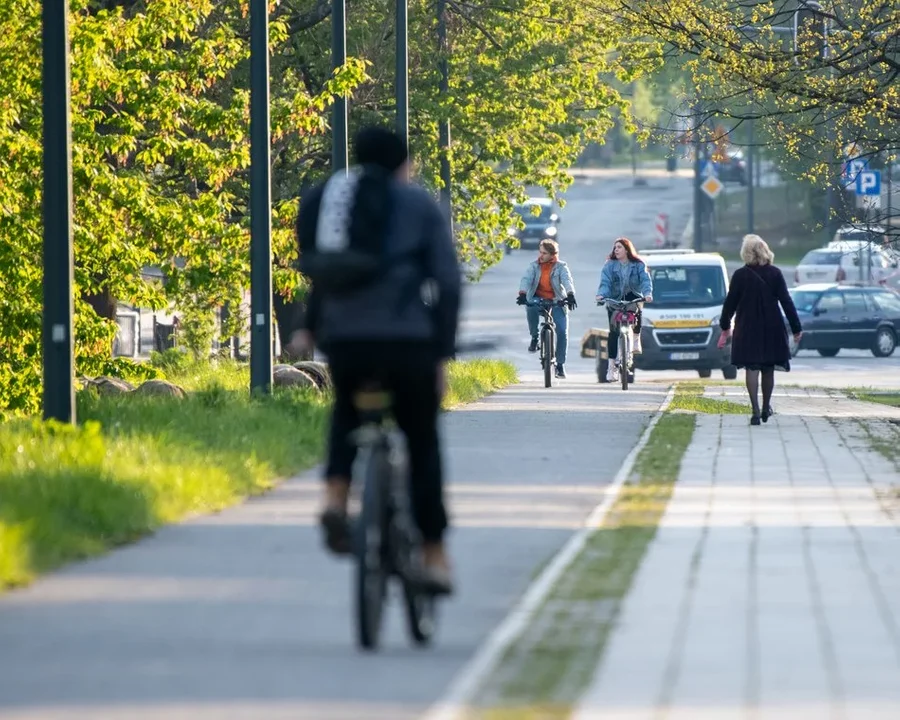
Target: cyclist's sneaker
x=532, y=347
x=336, y=527
x=560, y=371
x=612, y=373
x=638, y=349
x=434, y=574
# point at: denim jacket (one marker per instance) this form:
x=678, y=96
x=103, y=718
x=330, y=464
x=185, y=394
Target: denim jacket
x=617, y=279
x=560, y=280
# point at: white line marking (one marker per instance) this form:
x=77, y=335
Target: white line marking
x=467, y=681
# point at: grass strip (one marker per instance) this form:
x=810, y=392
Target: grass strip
x=892, y=399
x=546, y=671
x=135, y=463
x=690, y=398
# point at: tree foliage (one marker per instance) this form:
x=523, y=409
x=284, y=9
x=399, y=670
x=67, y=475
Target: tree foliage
x=160, y=115
x=815, y=95
x=160, y=112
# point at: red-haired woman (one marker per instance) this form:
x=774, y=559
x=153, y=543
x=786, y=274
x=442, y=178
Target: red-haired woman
x=624, y=277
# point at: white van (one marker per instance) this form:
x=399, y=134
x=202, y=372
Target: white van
x=680, y=329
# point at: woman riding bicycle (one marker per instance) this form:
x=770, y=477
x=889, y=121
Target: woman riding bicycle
x=624, y=277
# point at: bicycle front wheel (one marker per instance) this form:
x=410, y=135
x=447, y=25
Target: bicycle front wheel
x=547, y=342
x=625, y=340
x=370, y=548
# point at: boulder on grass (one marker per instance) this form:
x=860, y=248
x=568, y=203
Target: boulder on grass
x=160, y=388
x=287, y=376
x=106, y=385
x=317, y=371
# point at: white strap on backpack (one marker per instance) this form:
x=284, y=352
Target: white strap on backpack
x=333, y=227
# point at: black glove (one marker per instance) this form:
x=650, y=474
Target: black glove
x=520, y=300
x=570, y=301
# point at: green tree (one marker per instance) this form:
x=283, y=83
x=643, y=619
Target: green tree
x=160, y=152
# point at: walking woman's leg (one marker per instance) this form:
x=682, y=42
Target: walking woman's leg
x=752, y=380
x=768, y=385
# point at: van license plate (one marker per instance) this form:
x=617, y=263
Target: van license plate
x=685, y=356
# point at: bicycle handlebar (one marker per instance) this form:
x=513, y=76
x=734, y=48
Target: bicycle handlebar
x=621, y=303
x=546, y=303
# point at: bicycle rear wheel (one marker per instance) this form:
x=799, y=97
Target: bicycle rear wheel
x=547, y=342
x=372, y=571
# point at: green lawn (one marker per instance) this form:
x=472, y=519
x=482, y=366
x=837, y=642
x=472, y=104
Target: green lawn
x=135, y=463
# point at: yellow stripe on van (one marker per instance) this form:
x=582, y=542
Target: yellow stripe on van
x=680, y=323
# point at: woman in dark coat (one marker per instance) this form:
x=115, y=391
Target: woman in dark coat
x=760, y=342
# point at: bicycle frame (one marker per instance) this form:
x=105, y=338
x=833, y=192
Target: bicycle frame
x=547, y=335
x=624, y=318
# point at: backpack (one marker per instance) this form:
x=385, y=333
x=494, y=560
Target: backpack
x=352, y=227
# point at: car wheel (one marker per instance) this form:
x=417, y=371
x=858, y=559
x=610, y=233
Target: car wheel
x=829, y=352
x=885, y=343
x=705, y=373
x=729, y=372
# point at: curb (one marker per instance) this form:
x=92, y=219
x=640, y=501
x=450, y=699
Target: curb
x=466, y=682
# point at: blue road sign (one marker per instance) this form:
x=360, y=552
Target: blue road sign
x=868, y=182
x=852, y=169
x=707, y=168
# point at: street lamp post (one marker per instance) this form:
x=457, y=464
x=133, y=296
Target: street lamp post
x=58, y=260
x=260, y=203
x=698, y=197
x=401, y=75
x=339, y=140
x=444, y=138
x=749, y=177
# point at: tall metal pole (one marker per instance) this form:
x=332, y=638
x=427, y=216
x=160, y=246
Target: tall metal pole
x=339, y=140
x=749, y=177
x=698, y=198
x=401, y=75
x=444, y=139
x=59, y=361
x=260, y=203
x=889, y=224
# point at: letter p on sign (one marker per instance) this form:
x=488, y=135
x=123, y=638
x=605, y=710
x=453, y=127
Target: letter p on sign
x=868, y=183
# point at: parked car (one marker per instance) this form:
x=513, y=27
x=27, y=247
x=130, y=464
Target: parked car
x=846, y=260
x=859, y=233
x=733, y=168
x=838, y=316
x=541, y=222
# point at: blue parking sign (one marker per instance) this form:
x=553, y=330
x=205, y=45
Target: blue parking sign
x=868, y=182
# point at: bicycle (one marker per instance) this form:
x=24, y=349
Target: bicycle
x=624, y=319
x=386, y=542
x=547, y=335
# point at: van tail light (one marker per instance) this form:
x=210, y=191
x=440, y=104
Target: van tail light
x=841, y=275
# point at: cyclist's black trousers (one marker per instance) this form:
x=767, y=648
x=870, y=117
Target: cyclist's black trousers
x=408, y=369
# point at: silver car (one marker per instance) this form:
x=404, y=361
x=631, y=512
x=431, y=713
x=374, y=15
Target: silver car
x=845, y=262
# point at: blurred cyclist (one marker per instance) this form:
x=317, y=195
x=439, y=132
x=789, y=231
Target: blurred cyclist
x=370, y=242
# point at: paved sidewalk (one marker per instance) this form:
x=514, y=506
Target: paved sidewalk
x=241, y=616
x=807, y=402
x=772, y=589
